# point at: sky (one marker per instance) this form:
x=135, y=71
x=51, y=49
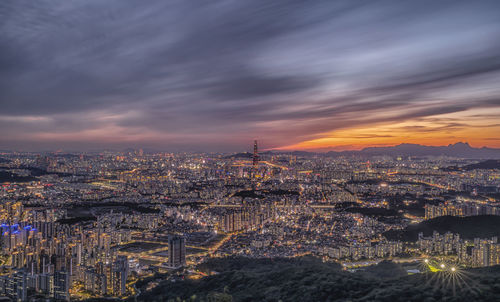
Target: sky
x=215, y=75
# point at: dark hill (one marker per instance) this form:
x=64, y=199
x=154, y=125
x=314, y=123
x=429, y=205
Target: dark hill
x=306, y=279
x=6, y=176
x=454, y=150
x=462, y=150
x=240, y=155
x=486, y=165
x=468, y=227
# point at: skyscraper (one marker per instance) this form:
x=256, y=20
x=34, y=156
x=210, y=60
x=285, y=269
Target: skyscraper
x=120, y=274
x=255, y=158
x=176, y=251
x=61, y=285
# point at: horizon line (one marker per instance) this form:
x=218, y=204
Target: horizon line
x=338, y=149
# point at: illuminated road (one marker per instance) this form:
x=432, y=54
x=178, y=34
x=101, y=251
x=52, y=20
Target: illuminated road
x=248, y=163
x=143, y=256
x=149, y=254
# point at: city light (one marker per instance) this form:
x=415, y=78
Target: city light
x=172, y=217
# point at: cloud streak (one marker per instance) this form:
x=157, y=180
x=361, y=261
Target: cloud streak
x=177, y=76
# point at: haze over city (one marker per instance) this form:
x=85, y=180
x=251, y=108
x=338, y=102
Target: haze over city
x=180, y=76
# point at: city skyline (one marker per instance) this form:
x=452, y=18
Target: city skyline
x=213, y=77
x=259, y=150
x=136, y=226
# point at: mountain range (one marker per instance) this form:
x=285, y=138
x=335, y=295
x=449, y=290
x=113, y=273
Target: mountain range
x=461, y=150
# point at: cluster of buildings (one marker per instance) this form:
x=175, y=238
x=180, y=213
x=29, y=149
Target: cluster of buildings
x=461, y=209
x=365, y=250
x=42, y=256
x=12, y=211
x=478, y=252
x=51, y=258
x=135, y=220
x=90, y=225
x=248, y=217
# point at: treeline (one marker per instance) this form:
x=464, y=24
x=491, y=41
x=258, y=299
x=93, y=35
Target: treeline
x=308, y=279
x=484, y=226
x=141, y=208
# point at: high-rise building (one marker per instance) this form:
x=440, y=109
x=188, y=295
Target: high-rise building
x=255, y=158
x=95, y=282
x=176, y=251
x=14, y=285
x=120, y=274
x=61, y=285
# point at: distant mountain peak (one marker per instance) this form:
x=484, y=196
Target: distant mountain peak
x=459, y=149
x=458, y=144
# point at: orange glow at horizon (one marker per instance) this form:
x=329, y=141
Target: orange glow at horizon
x=477, y=127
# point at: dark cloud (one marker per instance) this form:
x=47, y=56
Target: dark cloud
x=438, y=75
x=224, y=72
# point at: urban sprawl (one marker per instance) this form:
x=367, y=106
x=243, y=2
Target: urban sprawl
x=82, y=225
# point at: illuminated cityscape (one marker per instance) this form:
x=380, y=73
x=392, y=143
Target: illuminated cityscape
x=77, y=226
x=228, y=151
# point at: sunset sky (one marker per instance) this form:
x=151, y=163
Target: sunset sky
x=214, y=75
